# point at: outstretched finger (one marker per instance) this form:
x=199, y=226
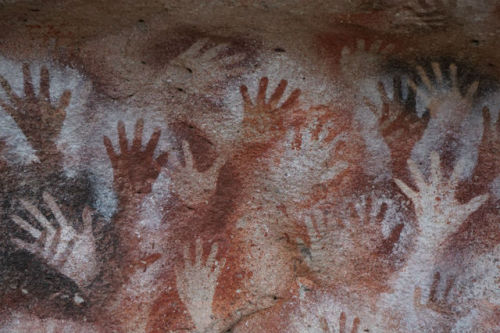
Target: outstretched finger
x=355, y=325
x=437, y=72
x=10, y=110
x=211, y=257
x=14, y=99
x=110, y=151
x=50, y=201
x=188, y=156
x=325, y=130
x=342, y=322
x=186, y=256
x=137, y=142
x=28, y=84
x=26, y=226
x=261, y=94
x=45, y=84
x=417, y=295
x=213, y=52
x=41, y=241
x=397, y=89
x=413, y=86
x=153, y=142
x=436, y=174
x=195, y=49
x=198, y=253
x=30, y=247
x=87, y=220
x=458, y=172
x=233, y=59
x=411, y=194
x=453, y=77
x=291, y=100
x=472, y=90
x=122, y=137
x=216, y=165
x=218, y=266
x=474, y=204
x=311, y=230
x=54, y=243
x=247, y=101
x=449, y=286
x=382, y=210
x=278, y=93
x=486, y=120
x=434, y=287
x=425, y=79
x=36, y=214
x=383, y=93
x=334, y=171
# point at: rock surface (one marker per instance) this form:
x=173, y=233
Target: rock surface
x=250, y=166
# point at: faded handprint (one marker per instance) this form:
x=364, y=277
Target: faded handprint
x=70, y=252
x=438, y=212
x=398, y=122
x=261, y=120
x=198, y=68
x=194, y=187
x=135, y=170
x=396, y=111
x=37, y=116
x=362, y=62
x=425, y=14
x=322, y=324
x=342, y=325
x=196, y=283
x=444, y=101
x=365, y=225
x=313, y=161
x=317, y=231
x=438, y=299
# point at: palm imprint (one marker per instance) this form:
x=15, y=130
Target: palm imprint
x=438, y=212
x=36, y=115
x=196, y=283
x=443, y=98
x=70, y=252
x=262, y=119
x=194, y=187
x=198, y=68
x=135, y=170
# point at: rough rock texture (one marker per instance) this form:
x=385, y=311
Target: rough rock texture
x=250, y=166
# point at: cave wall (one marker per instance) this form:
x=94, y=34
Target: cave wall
x=249, y=166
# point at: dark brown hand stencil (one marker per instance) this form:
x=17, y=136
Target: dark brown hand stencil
x=37, y=116
x=135, y=170
x=398, y=122
x=263, y=119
